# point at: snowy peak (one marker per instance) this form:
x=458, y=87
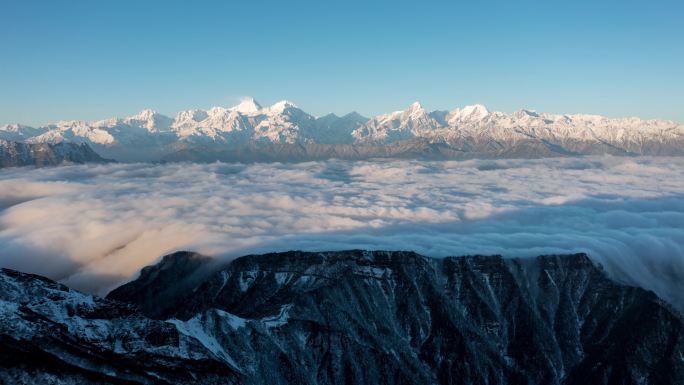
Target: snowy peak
x=477, y=110
x=415, y=106
x=190, y=116
x=470, y=113
x=415, y=110
x=13, y=127
x=146, y=114
x=281, y=106
x=247, y=105
x=412, y=110
x=396, y=126
x=148, y=119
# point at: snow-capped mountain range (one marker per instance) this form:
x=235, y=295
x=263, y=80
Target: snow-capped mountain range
x=467, y=132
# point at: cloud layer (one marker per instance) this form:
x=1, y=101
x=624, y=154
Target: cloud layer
x=95, y=226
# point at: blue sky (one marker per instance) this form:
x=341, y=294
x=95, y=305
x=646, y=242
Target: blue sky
x=97, y=59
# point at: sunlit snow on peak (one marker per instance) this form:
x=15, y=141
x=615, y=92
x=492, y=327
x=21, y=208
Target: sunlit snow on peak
x=247, y=105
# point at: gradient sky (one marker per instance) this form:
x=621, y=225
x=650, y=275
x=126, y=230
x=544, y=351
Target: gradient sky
x=97, y=59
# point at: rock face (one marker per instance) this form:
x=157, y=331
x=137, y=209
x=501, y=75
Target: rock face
x=53, y=335
x=344, y=317
x=13, y=154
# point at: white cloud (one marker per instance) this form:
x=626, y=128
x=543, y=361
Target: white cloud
x=95, y=226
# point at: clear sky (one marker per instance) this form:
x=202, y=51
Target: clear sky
x=96, y=59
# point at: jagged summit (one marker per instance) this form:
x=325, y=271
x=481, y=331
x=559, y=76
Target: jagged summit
x=416, y=109
x=145, y=114
x=476, y=110
x=281, y=106
x=247, y=105
x=147, y=118
x=415, y=106
x=468, y=114
x=190, y=115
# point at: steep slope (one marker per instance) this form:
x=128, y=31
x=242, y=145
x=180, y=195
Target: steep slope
x=470, y=320
x=13, y=154
x=164, y=283
x=344, y=317
x=51, y=334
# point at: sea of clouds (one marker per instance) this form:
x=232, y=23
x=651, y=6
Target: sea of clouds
x=94, y=226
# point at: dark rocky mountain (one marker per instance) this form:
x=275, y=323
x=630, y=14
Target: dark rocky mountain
x=343, y=317
x=418, y=148
x=13, y=154
x=304, y=152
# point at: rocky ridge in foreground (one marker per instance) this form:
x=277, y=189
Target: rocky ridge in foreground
x=343, y=317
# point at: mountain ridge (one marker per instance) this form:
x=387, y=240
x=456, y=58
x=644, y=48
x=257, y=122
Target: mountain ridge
x=341, y=317
x=471, y=129
x=16, y=154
